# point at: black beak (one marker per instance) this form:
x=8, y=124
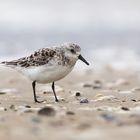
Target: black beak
x=82, y=59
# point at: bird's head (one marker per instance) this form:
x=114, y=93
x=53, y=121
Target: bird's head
x=73, y=51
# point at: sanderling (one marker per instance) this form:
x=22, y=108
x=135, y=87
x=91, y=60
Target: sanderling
x=48, y=65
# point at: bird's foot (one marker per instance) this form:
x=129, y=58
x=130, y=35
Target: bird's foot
x=36, y=101
x=56, y=100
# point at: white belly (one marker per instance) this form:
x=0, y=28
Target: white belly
x=47, y=74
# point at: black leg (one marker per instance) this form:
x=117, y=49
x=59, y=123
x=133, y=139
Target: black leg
x=34, y=91
x=53, y=88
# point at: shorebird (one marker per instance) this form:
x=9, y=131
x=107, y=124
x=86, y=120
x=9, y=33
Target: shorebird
x=48, y=65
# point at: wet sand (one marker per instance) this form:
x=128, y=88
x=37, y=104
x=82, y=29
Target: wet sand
x=93, y=105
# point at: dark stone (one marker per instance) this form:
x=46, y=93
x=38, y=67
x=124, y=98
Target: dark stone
x=70, y=113
x=44, y=92
x=78, y=94
x=12, y=107
x=84, y=101
x=27, y=106
x=47, y=111
x=125, y=108
x=133, y=100
x=123, y=100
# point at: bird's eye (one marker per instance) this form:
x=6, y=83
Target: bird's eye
x=72, y=51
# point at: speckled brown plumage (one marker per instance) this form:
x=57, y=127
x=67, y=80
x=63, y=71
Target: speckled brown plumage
x=40, y=57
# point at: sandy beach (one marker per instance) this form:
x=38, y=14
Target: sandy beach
x=96, y=102
x=93, y=105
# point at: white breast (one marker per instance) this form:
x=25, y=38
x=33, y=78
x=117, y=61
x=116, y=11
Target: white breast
x=47, y=74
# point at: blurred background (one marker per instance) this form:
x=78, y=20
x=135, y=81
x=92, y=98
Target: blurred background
x=107, y=30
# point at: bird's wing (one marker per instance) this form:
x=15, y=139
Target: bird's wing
x=38, y=58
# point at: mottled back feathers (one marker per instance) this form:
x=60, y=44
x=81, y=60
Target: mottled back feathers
x=40, y=57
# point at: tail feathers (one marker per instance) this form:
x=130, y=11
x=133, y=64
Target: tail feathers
x=9, y=63
x=4, y=62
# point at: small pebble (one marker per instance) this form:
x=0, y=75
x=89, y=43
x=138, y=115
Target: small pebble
x=70, y=113
x=12, y=107
x=27, y=106
x=108, y=117
x=63, y=100
x=47, y=111
x=125, y=108
x=133, y=100
x=97, y=84
x=87, y=85
x=123, y=101
x=44, y=92
x=77, y=94
x=84, y=101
